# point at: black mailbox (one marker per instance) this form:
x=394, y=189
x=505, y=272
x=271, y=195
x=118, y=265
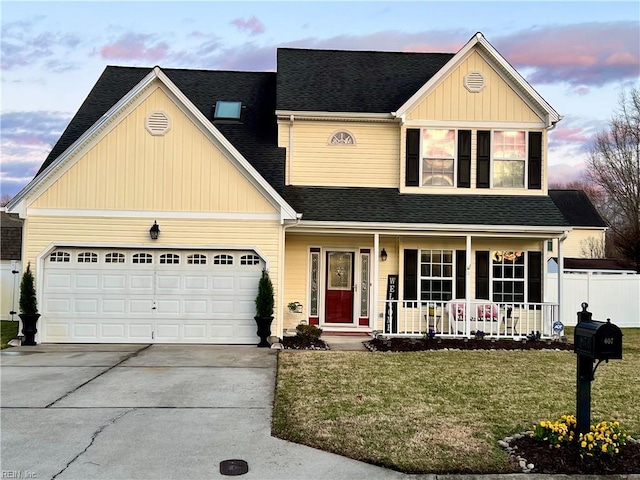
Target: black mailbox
x=598, y=340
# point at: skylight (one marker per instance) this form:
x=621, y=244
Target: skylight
x=228, y=110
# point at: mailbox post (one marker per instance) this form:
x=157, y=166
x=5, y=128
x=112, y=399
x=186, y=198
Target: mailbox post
x=593, y=340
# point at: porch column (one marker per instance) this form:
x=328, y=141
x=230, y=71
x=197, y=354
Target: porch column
x=560, y=273
x=467, y=282
x=376, y=257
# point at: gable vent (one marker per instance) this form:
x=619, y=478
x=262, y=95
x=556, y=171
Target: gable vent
x=474, y=81
x=157, y=123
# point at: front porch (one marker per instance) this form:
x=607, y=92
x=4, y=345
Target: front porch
x=465, y=318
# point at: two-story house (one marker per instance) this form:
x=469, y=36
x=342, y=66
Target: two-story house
x=396, y=192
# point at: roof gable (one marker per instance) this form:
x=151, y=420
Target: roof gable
x=510, y=74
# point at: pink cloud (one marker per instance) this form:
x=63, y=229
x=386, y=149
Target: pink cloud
x=587, y=54
x=433, y=47
x=252, y=25
x=133, y=46
x=569, y=135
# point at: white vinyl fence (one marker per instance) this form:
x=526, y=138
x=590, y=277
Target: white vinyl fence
x=9, y=288
x=609, y=296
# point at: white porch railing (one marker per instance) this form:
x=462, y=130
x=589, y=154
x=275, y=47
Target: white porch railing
x=463, y=318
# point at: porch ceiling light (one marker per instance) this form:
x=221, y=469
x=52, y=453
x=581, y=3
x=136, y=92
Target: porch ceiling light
x=154, y=231
x=383, y=255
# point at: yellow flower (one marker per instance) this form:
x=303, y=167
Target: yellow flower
x=557, y=445
x=560, y=438
x=616, y=451
x=604, y=448
x=615, y=436
x=583, y=444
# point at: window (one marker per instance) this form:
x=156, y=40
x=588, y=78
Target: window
x=364, y=284
x=342, y=138
x=228, y=110
x=114, y=258
x=249, y=260
x=438, y=157
x=59, y=257
x=223, y=259
x=509, y=158
x=197, y=259
x=87, y=257
x=549, y=245
x=436, y=275
x=508, y=276
x=314, y=275
x=169, y=259
x=142, y=258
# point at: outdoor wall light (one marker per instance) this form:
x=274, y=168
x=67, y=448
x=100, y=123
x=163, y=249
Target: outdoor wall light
x=383, y=255
x=154, y=231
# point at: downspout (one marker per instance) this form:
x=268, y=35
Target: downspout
x=561, y=272
x=290, y=182
x=281, y=274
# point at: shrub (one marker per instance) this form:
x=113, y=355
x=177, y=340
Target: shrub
x=603, y=438
x=28, y=301
x=479, y=335
x=533, y=336
x=308, y=332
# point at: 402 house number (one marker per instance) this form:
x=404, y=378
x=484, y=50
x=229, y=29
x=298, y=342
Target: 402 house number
x=608, y=341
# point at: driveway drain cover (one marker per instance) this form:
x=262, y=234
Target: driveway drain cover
x=233, y=467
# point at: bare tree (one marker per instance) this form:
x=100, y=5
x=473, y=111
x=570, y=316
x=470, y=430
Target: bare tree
x=614, y=167
x=4, y=199
x=592, y=247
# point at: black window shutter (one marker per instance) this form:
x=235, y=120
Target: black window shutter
x=464, y=158
x=411, y=275
x=482, y=275
x=461, y=274
x=534, y=280
x=413, y=158
x=535, y=160
x=483, y=159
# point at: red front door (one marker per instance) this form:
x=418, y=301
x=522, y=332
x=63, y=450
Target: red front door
x=339, y=292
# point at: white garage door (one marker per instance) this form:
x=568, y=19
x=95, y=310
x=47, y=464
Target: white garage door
x=150, y=296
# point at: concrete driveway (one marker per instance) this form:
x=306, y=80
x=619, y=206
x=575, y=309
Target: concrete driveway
x=150, y=412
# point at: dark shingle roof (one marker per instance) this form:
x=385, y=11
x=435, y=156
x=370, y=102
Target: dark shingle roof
x=352, y=81
x=10, y=237
x=388, y=205
x=577, y=208
x=255, y=136
x=594, y=264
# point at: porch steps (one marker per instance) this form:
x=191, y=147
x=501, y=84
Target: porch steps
x=346, y=342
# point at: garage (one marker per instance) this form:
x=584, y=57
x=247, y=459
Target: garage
x=104, y=295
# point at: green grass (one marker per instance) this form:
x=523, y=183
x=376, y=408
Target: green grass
x=440, y=411
x=9, y=331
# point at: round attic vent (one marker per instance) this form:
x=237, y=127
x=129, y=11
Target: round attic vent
x=474, y=81
x=157, y=123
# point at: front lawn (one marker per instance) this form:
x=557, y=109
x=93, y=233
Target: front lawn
x=9, y=331
x=440, y=411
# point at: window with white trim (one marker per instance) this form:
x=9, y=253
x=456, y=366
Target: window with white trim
x=249, y=260
x=509, y=278
x=169, y=259
x=314, y=281
x=223, y=259
x=87, y=257
x=197, y=259
x=114, y=257
x=436, y=275
x=438, y=157
x=59, y=257
x=142, y=258
x=509, y=158
x=342, y=137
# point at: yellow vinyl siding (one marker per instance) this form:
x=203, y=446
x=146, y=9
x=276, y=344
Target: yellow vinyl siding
x=451, y=101
x=576, y=243
x=130, y=169
x=371, y=162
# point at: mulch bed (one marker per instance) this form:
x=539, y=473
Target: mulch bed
x=400, y=344
x=302, y=343
x=567, y=460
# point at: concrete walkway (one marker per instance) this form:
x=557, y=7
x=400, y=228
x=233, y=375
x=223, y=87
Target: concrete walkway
x=346, y=342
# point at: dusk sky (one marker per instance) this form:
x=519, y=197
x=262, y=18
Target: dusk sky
x=578, y=55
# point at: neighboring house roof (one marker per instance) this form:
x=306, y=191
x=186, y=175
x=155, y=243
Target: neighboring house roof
x=577, y=208
x=593, y=264
x=352, y=81
x=388, y=205
x=10, y=237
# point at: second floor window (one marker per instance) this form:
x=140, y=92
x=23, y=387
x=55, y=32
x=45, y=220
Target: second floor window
x=438, y=157
x=509, y=158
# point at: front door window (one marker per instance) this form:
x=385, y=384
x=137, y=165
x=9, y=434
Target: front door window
x=339, y=294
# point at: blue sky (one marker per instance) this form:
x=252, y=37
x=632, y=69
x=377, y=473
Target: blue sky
x=578, y=55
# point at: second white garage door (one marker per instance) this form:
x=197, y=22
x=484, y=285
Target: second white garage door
x=150, y=296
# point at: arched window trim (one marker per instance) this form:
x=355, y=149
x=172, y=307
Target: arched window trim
x=340, y=137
